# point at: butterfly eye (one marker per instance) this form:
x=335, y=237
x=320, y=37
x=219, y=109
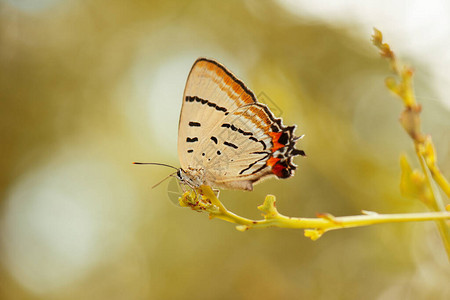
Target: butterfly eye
x=179, y=174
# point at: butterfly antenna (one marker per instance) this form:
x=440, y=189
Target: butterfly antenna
x=165, y=178
x=156, y=164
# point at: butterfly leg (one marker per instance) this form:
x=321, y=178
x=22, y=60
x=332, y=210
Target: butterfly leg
x=182, y=188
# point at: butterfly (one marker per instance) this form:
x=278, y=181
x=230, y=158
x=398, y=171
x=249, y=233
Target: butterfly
x=226, y=138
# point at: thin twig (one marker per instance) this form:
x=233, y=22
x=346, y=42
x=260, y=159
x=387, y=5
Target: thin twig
x=410, y=120
x=206, y=200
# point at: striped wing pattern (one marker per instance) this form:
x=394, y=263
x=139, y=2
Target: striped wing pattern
x=226, y=138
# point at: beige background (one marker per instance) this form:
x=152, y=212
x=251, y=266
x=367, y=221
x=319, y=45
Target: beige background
x=87, y=87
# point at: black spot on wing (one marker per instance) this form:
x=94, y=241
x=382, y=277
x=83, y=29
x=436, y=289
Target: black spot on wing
x=254, y=163
x=190, y=151
x=214, y=139
x=284, y=138
x=244, y=132
x=194, y=124
x=256, y=171
x=264, y=144
x=205, y=101
x=191, y=140
x=298, y=152
x=258, y=141
x=249, y=166
x=230, y=145
x=260, y=152
x=234, y=128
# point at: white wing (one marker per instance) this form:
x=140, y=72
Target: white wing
x=211, y=93
x=227, y=134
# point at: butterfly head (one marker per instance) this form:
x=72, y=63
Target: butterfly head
x=191, y=177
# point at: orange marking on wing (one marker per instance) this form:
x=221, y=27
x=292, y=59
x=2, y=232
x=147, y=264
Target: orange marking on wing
x=276, y=145
x=227, y=84
x=260, y=113
x=278, y=170
x=236, y=88
x=272, y=161
x=260, y=125
x=247, y=99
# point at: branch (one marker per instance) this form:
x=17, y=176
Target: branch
x=416, y=184
x=204, y=199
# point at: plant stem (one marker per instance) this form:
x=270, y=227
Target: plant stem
x=410, y=120
x=314, y=227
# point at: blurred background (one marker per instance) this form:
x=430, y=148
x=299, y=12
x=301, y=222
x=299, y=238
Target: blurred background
x=87, y=87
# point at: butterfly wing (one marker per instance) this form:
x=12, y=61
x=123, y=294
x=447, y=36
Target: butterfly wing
x=226, y=133
x=251, y=145
x=211, y=93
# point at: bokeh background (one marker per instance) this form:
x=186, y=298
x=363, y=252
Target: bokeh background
x=87, y=87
